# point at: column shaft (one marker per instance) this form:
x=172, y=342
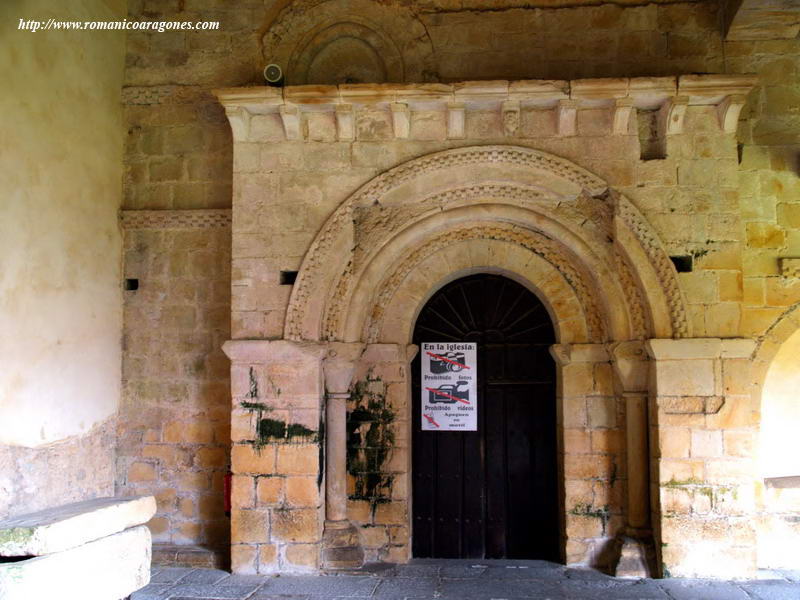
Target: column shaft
x=336, y=457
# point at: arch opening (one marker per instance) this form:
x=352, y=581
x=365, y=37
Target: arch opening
x=489, y=490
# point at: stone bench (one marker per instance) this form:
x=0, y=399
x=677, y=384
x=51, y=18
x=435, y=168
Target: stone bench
x=93, y=550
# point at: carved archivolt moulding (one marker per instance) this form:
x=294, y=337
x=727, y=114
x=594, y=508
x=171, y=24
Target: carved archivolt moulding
x=532, y=241
x=574, y=198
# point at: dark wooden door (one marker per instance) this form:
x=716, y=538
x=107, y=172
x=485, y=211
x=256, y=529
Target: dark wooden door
x=490, y=493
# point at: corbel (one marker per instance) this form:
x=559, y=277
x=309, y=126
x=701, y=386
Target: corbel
x=623, y=111
x=290, y=116
x=401, y=119
x=455, y=120
x=729, y=110
x=567, y=115
x=510, y=112
x=672, y=114
x=345, y=124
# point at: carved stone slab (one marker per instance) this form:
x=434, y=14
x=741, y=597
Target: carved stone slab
x=106, y=569
x=71, y=525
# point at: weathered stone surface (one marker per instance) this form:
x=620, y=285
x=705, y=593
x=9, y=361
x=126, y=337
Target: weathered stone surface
x=64, y=527
x=106, y=569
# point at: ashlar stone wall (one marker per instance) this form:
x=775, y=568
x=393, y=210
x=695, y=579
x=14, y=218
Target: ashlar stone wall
x=294, y=166
x=732, y=209
x=174, y=426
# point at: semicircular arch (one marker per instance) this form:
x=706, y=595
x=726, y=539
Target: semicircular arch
x=599, y=233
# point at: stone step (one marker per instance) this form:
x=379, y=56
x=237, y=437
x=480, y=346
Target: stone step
x=71, y=525
x=106, y=569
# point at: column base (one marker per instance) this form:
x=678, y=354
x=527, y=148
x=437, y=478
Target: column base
x=636, y=556
x=341, y=548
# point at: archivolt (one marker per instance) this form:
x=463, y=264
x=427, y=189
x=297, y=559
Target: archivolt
x=538, y=244
x=611, y=241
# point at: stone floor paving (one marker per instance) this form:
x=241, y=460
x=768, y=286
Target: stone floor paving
x=457, y=580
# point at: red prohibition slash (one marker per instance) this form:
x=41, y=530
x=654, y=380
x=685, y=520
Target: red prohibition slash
x=446, y=395
x=430, y=420
x=437, y=357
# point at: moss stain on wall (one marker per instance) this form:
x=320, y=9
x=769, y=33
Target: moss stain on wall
x=370, y=440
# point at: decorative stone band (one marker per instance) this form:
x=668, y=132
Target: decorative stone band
x=176, y=219
x=671, y=95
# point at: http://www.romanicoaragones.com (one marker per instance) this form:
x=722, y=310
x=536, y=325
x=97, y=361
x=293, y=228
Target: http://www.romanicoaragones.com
x=33, y=25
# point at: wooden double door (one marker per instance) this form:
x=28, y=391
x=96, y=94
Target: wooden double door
x=490, y=493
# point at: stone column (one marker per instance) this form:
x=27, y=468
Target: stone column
x=636, y=545
x=340, y=544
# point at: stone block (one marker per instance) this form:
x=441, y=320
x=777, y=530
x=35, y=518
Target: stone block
x=243, y=559
x=246, y=459
x=302, y=492
x=706, y=444
x=267, y=558
x=298, y=525
x=685, y=377
x=765, y=235
x=602, y=412
x=681, y=471
x=392, y=513
x=685, y=349
x=269, y=490
x=577, y=441
x=298, y=459
x=243, y=491
x=303, y=555
x=674, y=442
x=115, y=566
x=57, y=529
x=249, y=526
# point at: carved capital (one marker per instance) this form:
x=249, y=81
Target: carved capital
x=631, y=366
x=239, y=118
x=339, y=366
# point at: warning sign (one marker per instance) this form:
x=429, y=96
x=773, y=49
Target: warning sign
x=449, y=386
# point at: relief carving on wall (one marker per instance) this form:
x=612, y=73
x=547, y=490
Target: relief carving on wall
x=348, y=41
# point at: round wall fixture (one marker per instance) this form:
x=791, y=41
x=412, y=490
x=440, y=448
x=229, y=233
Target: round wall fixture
x=273, y=74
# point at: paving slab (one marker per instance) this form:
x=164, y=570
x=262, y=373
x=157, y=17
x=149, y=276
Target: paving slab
x=689, y=589
x=401, y=588
x=208, y=576
x=343, y=585
x=202, y=591
x=461, y=580
x=72, y=525
x=772, y=590
x=170, y=574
